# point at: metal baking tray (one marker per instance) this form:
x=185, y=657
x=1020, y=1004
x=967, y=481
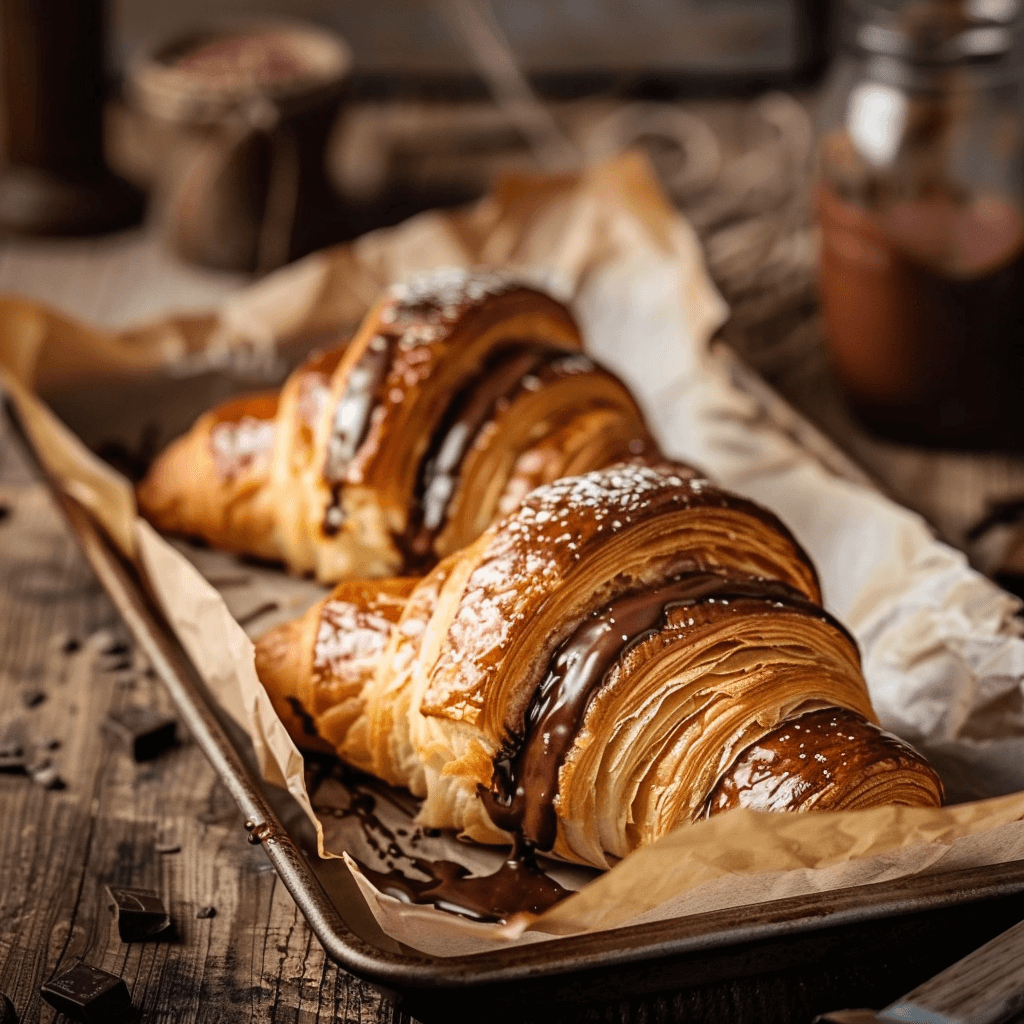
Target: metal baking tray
x=782, y=961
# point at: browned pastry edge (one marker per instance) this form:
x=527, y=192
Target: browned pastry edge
x=306, y=666
x=202, y=485
x=810, y=761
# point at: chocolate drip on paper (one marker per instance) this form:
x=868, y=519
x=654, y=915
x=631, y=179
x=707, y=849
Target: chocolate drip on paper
x=519, y=885
x=525, y=780
x=520, y=367
x=351, y=421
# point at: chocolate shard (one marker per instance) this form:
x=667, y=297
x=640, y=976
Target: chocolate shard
x=144, y=731
x=89, y=995
x=141, y=914
x=32, y=697
x=7, y=1012
x=14, y=750
x=204, y=913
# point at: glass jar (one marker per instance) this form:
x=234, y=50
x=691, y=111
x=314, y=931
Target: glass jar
x=919, y=196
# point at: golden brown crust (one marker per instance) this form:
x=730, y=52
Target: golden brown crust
x=211, y=482
x=629, y=651
x=357, y=431
x=316, y=668
x=574, y=545
x=830, y=760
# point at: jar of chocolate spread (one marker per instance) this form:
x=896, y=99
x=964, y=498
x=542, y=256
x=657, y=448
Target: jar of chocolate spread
x=919, y=196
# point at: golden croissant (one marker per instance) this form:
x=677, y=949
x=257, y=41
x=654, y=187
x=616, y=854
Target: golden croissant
x=631, y=649
x=459, y=393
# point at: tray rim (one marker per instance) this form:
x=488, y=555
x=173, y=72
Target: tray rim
x=691, y=935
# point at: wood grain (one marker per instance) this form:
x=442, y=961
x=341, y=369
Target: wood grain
x=986, y=987
x=255, y=960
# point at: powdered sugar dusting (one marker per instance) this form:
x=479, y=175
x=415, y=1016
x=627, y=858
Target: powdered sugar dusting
x=349, y=641
x=244, y=444
x=422, y=308
x=530, y=553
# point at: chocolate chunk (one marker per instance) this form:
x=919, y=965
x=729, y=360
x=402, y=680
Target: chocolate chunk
x=203, y=913
x=13, y=752
x=115, y=647
x=5, y=511
x=89, y=995
x=7, y=1014
x=141, y=914
x=118, y=666
x=70, y=645
x=144, y=731
x=32, y=697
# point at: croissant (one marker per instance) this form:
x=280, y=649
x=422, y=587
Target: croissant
x=630, y=649
x=459, y=393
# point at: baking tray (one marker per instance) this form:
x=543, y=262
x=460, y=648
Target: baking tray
x=782, y=961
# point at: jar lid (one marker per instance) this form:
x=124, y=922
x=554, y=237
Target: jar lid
x=238, y=68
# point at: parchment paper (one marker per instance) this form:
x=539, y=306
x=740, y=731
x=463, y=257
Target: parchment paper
x=942, y=647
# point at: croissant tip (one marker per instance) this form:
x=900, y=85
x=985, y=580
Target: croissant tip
x=277, y=659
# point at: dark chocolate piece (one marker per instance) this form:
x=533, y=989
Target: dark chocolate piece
x=525, y=782
x=5, y=511
x=70, y=645
x=115, y=647
x=89, y=995
x=141, y=914
x=205, y=913
x=144, y=731
x=32, y=698
x=7, y=1012
x=13, y=750
x=118, y=666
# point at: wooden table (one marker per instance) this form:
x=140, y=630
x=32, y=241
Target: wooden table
x=165, y=824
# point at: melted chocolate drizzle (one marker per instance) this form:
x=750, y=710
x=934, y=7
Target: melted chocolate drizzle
x=525, y=781
x=509, y=371
x=351, y=421
x=519, y=885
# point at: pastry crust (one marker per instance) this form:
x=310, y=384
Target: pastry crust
x=458, y=393
x=629, y=650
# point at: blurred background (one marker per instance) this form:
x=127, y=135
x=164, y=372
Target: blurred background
x=854, y=170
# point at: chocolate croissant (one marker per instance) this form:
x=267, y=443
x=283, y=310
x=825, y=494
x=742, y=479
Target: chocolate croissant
x=631, y=649
x=459, y=393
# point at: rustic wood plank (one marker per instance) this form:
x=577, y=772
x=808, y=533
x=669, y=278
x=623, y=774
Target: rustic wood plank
x=256, y=960
x=986, y=987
